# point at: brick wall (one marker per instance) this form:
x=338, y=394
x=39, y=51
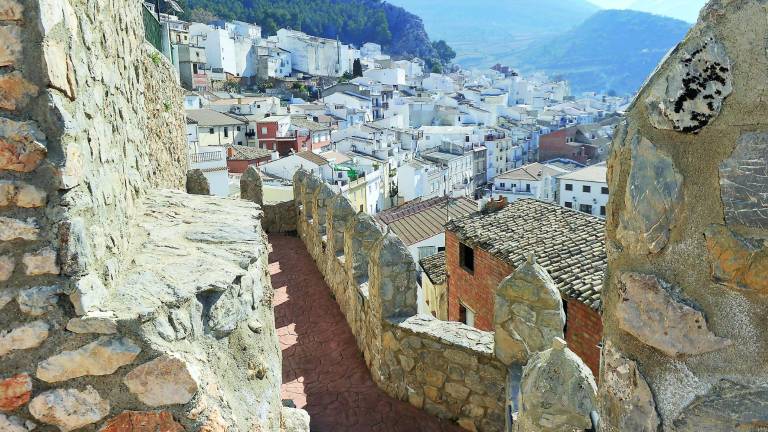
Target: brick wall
x=475, y=290
x=584, y=331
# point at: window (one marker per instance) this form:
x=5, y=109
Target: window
x=239, y=143
x=604, y=190
x=527, y=187
x=568, y=204
x=441, y=248
x=502, y=185
x=466, y=257
x=602, y=210
x=264, y=130
x=586, y=189
x=226, y=131
x=585, y=208
x=238, y=128
x=466, y=315
x=341, y=175
x=210, y=131
x=568, y=187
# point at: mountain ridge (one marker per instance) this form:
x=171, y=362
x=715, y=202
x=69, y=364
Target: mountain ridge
x=612, y=50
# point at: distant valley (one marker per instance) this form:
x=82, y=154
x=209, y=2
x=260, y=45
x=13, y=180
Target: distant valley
x=596, y=50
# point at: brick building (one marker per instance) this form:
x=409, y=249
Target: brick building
x=484, y=248
x=239, y=158
x=292, y=134
x=569, y=143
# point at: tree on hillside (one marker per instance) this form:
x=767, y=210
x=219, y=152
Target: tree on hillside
x=357, y=68
x=444, y=52
x=201, y=15
x=437, y=68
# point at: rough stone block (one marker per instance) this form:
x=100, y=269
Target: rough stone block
x=294, y=420
x=74, y=249
x=13, y=423
x=39, y=300
x=10, y=10
x=26, y=336
x=69, y=409
x=22, y=145
x=557, y=392
x=28, y=196
x=142, y=421
x=736, y=261
x=7, y=193
x=726, y=406
x=101, y=357
x=197, y=184
x=165, y=380
x=88, y=294
x=94, y=322
x=456, y=391
x=653, y=199
x=40, y=262
x=698, y=78
x=6, y=295
x=251, y=186
x=15, y=392
x=648, y=312
x=59, y=70
x=528, y=313
x=10, y=44
x=13, y=229
x=626, y=401
x=15, y=91
x=744, y=183
x=7, y=264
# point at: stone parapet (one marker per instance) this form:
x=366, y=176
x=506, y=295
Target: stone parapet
x=445, y=368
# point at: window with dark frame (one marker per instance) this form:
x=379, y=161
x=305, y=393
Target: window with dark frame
x=226, y=131
x=462, y=314
x=466, y=257
x=568, y=204
x=568, y=187
x=604, y=190
x=586, y=189
x=602, y=210
x=585, y=208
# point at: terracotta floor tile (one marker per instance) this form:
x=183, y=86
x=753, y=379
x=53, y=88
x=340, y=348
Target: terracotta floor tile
x=323, y=371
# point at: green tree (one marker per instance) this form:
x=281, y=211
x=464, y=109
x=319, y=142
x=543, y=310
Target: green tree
x=202, y=15
x=357, y=68
x=437, y=68
x=444, y=52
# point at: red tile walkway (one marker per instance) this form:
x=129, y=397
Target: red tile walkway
x=323, y=372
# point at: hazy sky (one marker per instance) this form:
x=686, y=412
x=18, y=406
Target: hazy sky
x=687, y=10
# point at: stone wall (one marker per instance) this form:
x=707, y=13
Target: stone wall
x=445, y=368
x=122, y=306
x=685, y=300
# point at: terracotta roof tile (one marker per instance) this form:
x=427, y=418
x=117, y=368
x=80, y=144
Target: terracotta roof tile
x=569, y=244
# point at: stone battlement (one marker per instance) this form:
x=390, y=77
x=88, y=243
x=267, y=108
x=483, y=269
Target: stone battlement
x=446, y=368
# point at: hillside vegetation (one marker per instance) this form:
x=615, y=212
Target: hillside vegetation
x=352, y=21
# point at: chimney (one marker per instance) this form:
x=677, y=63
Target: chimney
x=230, y=152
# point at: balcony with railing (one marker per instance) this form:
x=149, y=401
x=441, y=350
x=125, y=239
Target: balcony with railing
x=209, y=159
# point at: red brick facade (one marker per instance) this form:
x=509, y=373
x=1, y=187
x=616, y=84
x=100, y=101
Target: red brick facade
x=476, y=290
x=584, y=332
x=565, y=143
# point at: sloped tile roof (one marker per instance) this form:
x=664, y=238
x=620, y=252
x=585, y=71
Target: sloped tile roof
x=415, y=222
x=312, y=157
x=569, y=244
x=434, y=268
x=241, y=152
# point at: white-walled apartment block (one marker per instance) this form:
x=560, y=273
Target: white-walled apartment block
x=586, y=190
x=230, y=46
x=393, y=77
x=536, y=180
x=317, y=56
